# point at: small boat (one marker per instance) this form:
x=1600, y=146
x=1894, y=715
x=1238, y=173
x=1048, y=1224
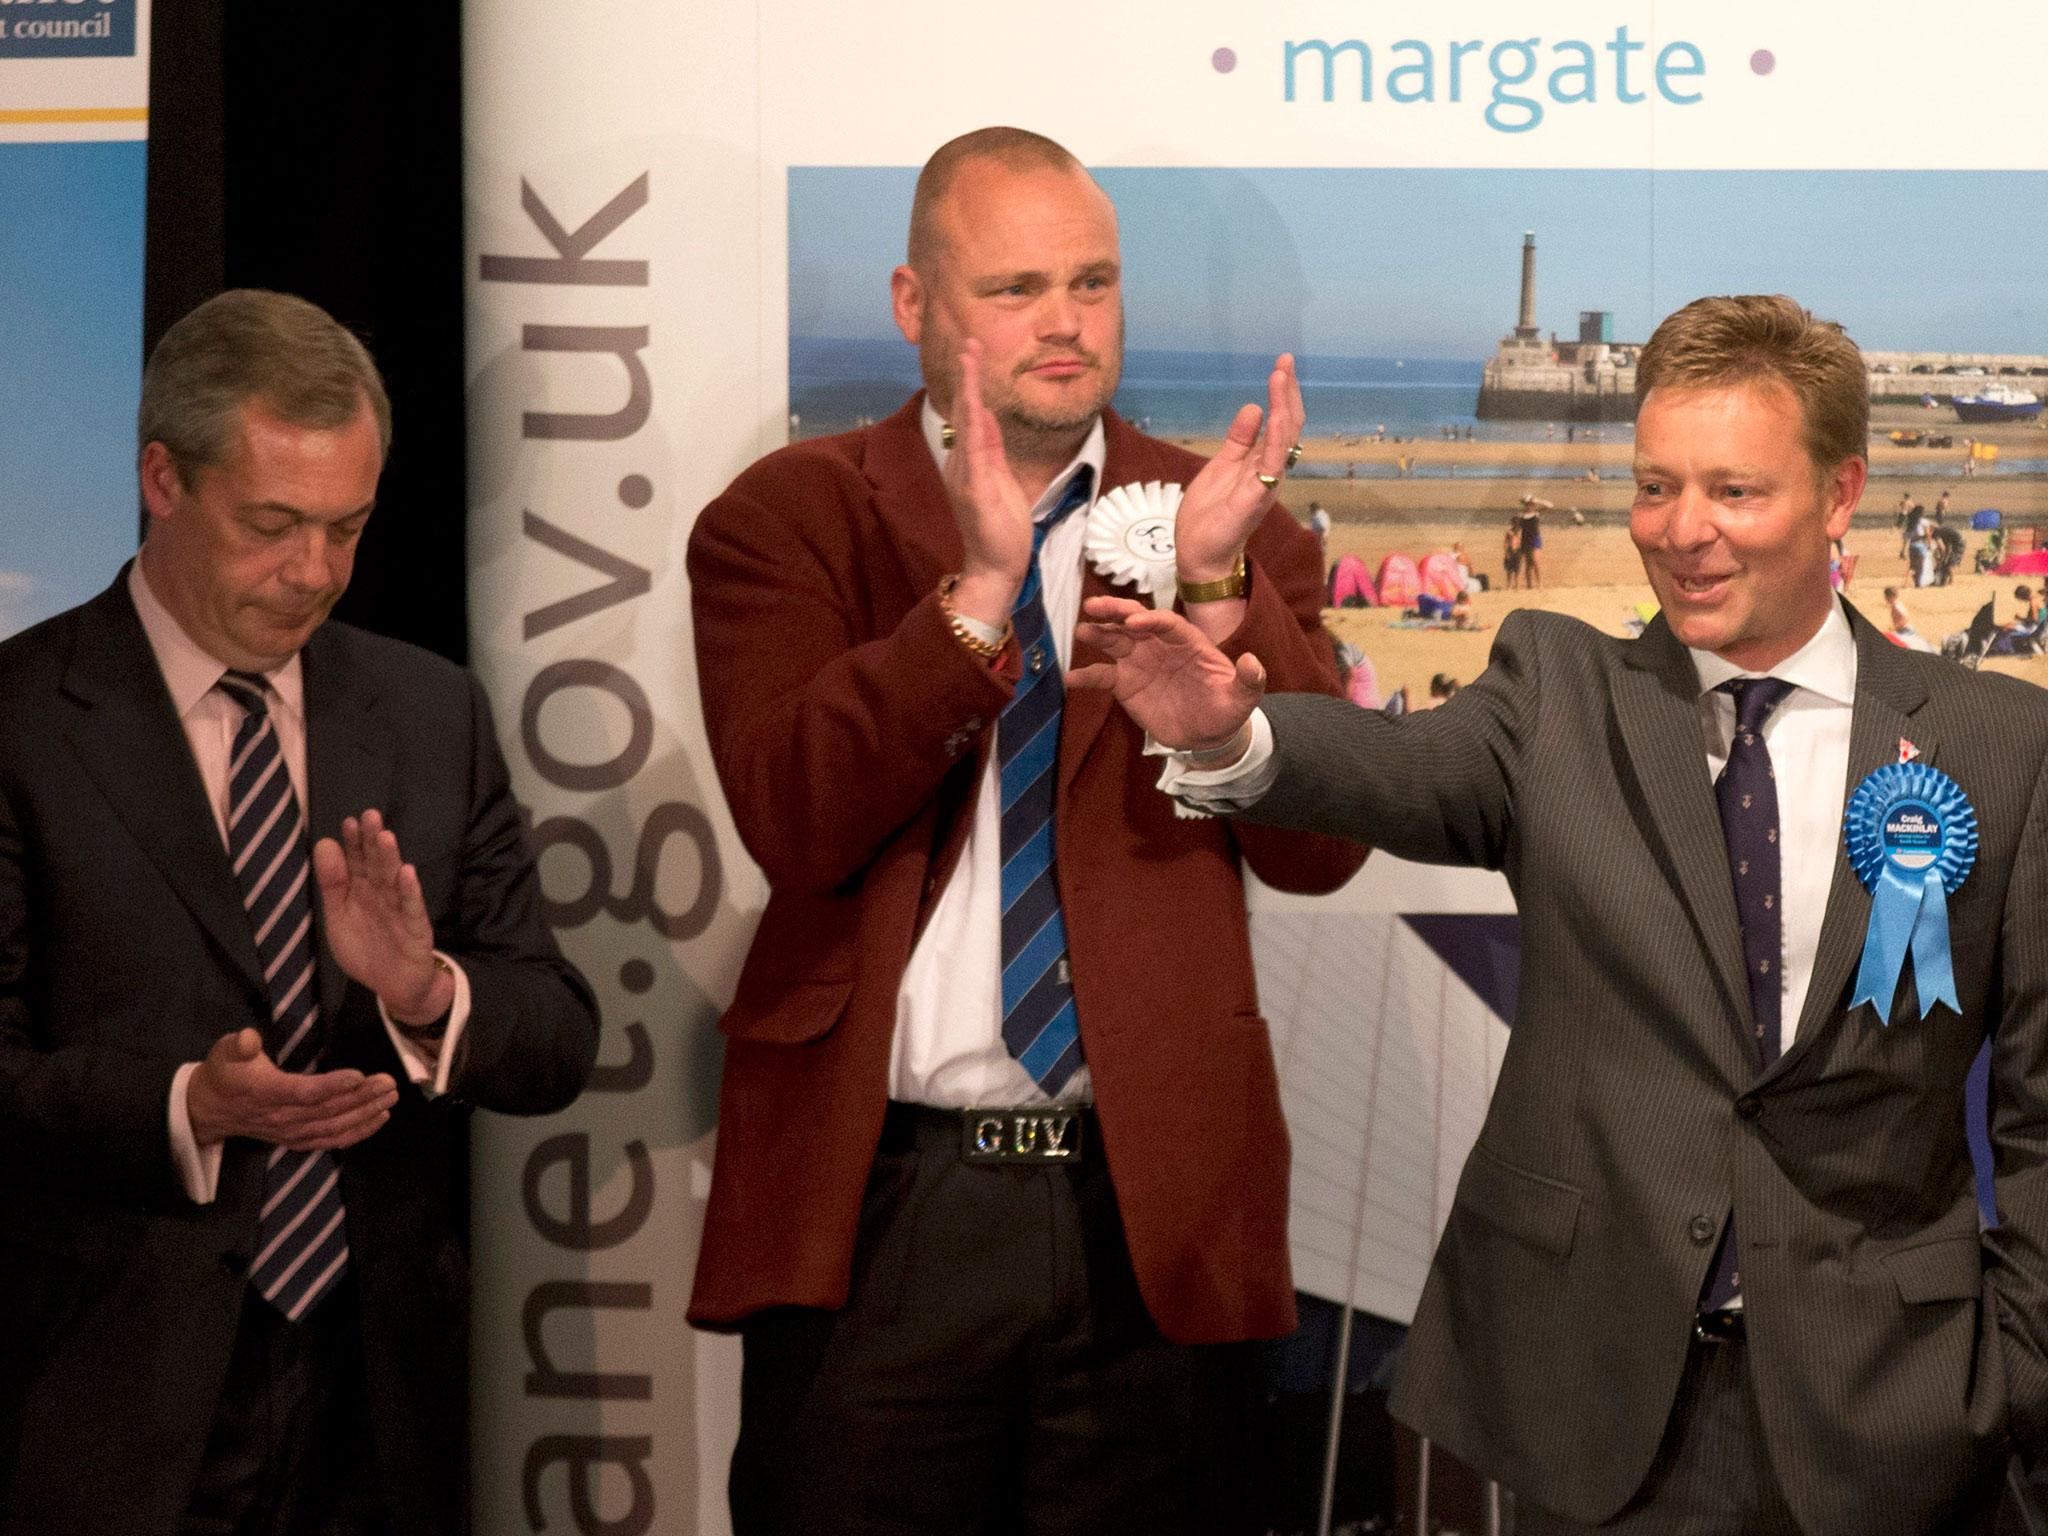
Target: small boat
x=1997, y=402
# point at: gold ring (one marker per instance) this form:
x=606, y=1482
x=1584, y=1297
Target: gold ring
x=1294, y=456
x=1269, y=481
x=947, y=436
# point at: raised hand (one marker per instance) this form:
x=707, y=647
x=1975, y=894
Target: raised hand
x=239, y=1091
x=1224, y=503
x=1167, y=674
x=993, y=513
x=377, y=924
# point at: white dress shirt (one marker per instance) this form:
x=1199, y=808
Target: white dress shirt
x=210, y=719
x=1808, y=737
x=948, y=1049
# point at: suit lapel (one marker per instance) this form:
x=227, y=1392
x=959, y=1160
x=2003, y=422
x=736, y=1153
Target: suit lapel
x=131, y=744
x=911, y=498
x=1656, y=703
x=1888, y=691
x=348, y=770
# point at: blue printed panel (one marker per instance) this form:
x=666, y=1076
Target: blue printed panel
x=67, y=29
x=70, y=369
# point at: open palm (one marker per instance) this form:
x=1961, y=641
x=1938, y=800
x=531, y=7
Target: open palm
x=1167, y=674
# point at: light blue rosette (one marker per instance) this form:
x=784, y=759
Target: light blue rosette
x=1912, y=837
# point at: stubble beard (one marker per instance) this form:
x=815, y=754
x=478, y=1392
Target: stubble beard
x=1028, y=434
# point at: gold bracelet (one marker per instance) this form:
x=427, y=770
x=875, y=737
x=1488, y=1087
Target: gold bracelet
x=1236, y=584
x=986, y=650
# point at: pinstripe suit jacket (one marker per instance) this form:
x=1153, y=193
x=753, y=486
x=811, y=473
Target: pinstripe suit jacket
x=1894, y=1350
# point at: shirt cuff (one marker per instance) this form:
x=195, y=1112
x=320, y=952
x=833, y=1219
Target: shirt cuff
x=987, y=634
x=1221, y=791
x=427, y=1062
x=198, y=1167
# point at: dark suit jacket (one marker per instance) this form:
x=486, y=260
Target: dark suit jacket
x=125, y=951
x=1889, y=1345
x=849, y=728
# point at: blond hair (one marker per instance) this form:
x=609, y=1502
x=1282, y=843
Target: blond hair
x=1714, y=343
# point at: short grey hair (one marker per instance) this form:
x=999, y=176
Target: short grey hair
x=250, y=344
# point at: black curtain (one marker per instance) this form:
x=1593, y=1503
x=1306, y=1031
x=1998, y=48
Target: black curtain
x=317, y=149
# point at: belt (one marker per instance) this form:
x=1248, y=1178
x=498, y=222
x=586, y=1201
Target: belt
x=1727, y=1326
x=1041, y=1135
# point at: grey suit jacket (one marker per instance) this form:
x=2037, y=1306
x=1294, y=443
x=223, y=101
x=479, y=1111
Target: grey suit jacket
x=1894, y=1350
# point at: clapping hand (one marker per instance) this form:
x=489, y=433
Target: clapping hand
x=377, y=924
x=239, y=1091
x=1223, y=504
x=988, y=503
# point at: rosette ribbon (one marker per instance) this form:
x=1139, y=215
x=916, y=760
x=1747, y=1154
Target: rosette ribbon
x=1912, y=837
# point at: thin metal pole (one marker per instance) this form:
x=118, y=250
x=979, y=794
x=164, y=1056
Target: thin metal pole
x=1492, y=1508
x=1327, y=1510
x=1422, y=1491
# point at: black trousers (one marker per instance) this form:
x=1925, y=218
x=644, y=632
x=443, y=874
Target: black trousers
x=993, y=1371
x=1712, y=1475
x=289, y=1453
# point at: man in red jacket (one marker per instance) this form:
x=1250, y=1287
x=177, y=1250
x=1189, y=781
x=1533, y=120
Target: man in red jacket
x=1001, y=1155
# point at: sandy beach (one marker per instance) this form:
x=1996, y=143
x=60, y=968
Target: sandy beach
x=1594, y=574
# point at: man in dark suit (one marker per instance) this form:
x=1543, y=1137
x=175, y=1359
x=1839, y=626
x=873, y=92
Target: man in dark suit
x=1000, y=1146
x=1714, y=1264
x=238, y=1040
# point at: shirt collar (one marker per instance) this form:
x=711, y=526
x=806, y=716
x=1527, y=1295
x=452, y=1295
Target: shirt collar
x=189, y=670
x=1825, y=665
x=1094, y=451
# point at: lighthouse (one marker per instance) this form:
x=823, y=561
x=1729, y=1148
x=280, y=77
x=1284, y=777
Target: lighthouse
x=1525, y=328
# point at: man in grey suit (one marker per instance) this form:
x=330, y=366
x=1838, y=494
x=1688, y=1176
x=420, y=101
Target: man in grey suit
x=1714, y=1264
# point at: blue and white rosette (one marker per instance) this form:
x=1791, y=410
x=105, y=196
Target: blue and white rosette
x=1912, y=837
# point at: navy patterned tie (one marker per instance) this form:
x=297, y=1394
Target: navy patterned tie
x=1040, y=1028
x=302, y=1238
x=1747, y=792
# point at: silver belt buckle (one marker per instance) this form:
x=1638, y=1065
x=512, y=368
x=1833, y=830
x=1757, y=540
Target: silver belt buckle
x=1050, y=1135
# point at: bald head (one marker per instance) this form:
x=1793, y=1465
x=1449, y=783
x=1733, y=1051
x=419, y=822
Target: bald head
x=1015, y=149
x=1014, y=247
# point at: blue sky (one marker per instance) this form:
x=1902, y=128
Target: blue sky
x=71, y=239
x=1426, y=263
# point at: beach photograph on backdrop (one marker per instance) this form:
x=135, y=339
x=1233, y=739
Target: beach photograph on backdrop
x=1466, y=341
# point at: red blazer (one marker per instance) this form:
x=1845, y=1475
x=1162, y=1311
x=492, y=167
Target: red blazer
x=849, y=728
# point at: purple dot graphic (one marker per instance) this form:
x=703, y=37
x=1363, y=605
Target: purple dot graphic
x=1223, y=60
x=636, y=975
x=636, y=491
x=1762, y=62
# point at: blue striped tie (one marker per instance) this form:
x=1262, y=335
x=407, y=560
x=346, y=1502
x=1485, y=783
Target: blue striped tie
x=302, y=1239
x=1039, y=1024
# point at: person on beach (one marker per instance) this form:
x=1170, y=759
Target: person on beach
x=1511, y=553
x=1532, y=540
